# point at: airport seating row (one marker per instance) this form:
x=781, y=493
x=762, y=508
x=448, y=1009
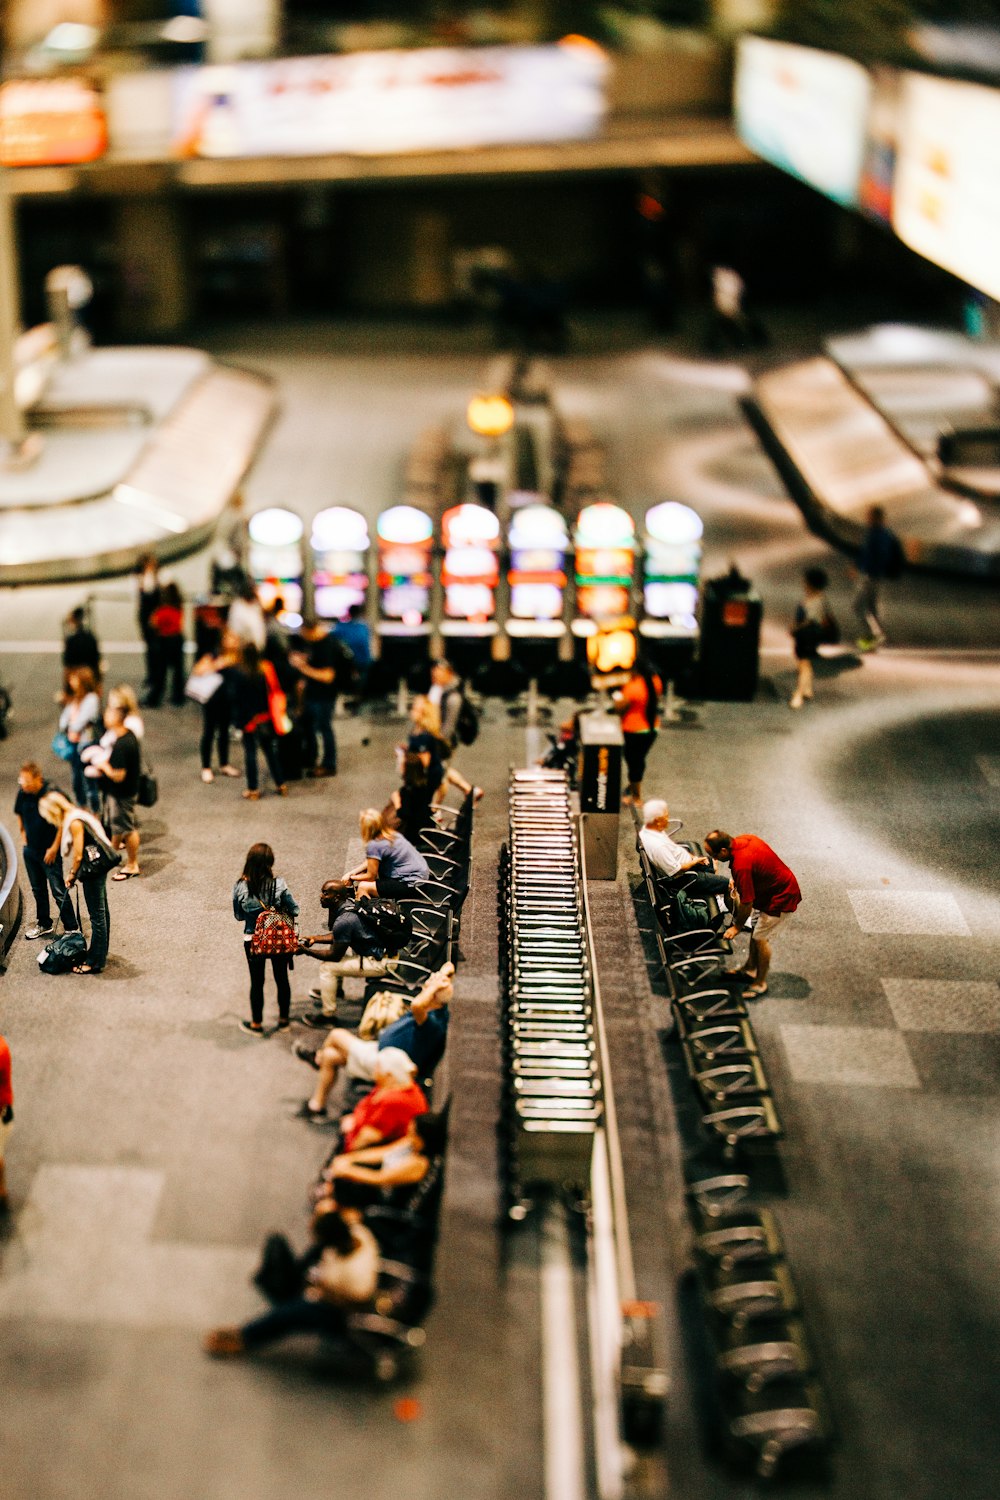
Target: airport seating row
x=768, y=1402
x=552, y=1082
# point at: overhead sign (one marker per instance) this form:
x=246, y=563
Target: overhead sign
x=806, y=111
x=50, y=122
x=377, y=103
x=946, y=200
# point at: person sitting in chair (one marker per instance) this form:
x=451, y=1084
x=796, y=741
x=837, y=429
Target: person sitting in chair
x=350, y=948
x=674, y=860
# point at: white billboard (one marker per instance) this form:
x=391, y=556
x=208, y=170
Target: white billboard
x=806, y=111
x=946, y=197
x=381, y=103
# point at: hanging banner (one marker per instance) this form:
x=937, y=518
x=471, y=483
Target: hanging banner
x=47, y=122
x=380, y=103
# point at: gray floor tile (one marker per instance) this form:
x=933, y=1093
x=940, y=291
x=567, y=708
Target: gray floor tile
x=955, y=1065
x=944, y=1004
x=866, y=1055
x=931, y=913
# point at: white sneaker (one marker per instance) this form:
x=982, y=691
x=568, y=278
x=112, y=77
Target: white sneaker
x=207, y=775
x=36, y=930
x=796, y=700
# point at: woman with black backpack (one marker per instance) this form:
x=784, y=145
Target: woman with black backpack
x=82, y=839
x=268, y=911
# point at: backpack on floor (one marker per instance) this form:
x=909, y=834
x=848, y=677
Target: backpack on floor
x=62, y=953
x=692, y=913
x=391, y=928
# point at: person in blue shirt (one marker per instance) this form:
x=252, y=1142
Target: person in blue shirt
x=392, y=865
x=421, y=1033
x=259, y=889
x=355, y=635
x=880, y=557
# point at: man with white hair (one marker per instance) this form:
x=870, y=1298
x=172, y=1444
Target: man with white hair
x=420, y=1034
x=672, y=859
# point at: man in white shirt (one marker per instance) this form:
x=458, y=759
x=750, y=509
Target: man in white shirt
x=672, y=859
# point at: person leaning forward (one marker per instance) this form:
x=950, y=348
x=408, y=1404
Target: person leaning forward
x=768, y=893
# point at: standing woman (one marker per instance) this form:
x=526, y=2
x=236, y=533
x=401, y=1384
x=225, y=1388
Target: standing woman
x=148, y=579
x=218, y=660
x=80, y=721
x=638, y=705
x=251, y=690
x=257, y=890
x=79, y=829
x=392, y=866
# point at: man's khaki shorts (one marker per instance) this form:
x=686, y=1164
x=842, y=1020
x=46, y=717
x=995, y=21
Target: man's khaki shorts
x=762, y=925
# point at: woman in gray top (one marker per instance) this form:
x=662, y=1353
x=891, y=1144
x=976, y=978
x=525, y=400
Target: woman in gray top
x=259, y=889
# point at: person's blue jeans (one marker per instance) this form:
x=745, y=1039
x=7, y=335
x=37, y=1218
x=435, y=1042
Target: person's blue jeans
x=298, y=1316
x=42, y=878
x=319, y=718
x=95, y=893
x=85, y=789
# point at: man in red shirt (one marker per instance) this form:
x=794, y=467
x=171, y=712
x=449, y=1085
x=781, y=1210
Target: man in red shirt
x=6, y=1116
x=385, y=1113
x=766, y=891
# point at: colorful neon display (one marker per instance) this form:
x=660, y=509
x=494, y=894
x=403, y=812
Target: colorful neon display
x=605, y=561
x=276, y=565
x=339, y=544
x=405, y=537
x=538, y=541
x=672, y=567
x=470, y=570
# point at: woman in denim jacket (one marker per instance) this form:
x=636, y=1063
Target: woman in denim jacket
x=256, y=890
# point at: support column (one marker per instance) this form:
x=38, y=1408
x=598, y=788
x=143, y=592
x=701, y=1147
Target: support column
x=150, y=242
x=12, y=429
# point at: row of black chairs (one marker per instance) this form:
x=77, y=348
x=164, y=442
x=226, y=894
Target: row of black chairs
x=553, y=1089
x=406, y=1227
x=768, y=1402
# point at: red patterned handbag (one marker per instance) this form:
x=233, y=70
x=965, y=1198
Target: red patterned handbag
x=273, y=934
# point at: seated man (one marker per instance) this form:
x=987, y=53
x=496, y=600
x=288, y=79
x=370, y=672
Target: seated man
x=385, y=1113
x=672, y=859
x=350, y=949
x=421, y=1034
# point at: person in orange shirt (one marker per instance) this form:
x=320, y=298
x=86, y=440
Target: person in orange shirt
x=638, y=705
x=6, y=1116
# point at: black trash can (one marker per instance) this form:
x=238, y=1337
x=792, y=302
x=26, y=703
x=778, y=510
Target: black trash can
x=729, y=648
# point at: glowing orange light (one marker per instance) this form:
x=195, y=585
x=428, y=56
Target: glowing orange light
x=490, y=416
x=585, y=43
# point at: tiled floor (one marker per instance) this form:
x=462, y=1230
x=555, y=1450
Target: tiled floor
x=933, y=913
x=864, y=1055
x=956, y=1005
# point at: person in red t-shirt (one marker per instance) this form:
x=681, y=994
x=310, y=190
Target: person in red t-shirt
x=766, y=891
x=385, y=1113
x=6, y=1116
x=167, y=626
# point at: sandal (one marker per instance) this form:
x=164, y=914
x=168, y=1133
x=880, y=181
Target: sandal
x=84, y=969
x=224, y=1343
x=250, y=796
x=755, y=992
x=126, y=875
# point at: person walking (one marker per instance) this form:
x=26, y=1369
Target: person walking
x=6, y=1118
x=353, y=633
x=253, y=685
x=259, y=889
x=638, y=706
x=881, y=557
x=216, y=667
x=80, y=646
x=40, y=852
x=79, y=830
x=80, y=722
x=814, y=627
x=317, y=665
x=767, y=892
x=167, y=621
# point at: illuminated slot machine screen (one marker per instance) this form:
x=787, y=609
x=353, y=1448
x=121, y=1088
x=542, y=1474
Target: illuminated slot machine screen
x=339, y=544
x=604, y=565
x=470, y=570
x=539, y=541
x=405, y=539
x=671, y=571
x=275, y=561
